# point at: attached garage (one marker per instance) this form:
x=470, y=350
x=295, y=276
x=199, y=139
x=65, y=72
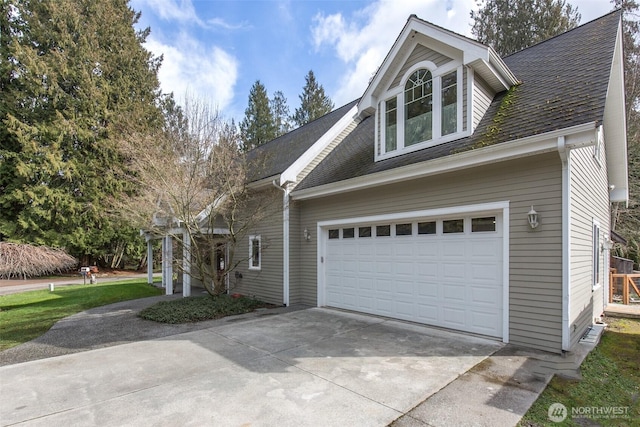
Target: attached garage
x=444, y=267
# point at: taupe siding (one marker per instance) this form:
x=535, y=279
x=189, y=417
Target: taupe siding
x=419, y=54
x=295, y=241
x=265, y=284
x=589, y=201
x=482, y=97
x=536, y=266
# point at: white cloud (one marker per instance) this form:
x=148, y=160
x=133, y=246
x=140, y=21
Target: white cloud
x=362, y=41
x=172, y=10
x=190, y=68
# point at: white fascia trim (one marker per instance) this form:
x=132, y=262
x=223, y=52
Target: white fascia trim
x=502, y=206
x=291, y=173
x=427, y=213
x=498, y=64
x=264, y=182
x=575, y=136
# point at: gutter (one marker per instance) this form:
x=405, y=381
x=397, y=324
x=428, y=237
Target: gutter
x=565, y=157
x=576, y=136
x=285, y=241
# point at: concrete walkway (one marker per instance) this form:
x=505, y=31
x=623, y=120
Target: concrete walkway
x=288, y=366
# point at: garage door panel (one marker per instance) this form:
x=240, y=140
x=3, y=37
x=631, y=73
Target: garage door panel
x=489, y=272
x=453, y=249
x=452, y=271
x=403, y=249
x=454, y=316
x=448, y=280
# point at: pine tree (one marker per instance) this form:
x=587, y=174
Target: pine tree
x=509, y=26
x=257, y=127
x=280, y=111
x=75, y=79
x=313, y=102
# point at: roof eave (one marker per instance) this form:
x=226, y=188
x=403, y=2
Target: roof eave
x=575, y=136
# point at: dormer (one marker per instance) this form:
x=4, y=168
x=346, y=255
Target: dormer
x=433, y=87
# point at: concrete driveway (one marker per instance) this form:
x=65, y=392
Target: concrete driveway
x=303, y=368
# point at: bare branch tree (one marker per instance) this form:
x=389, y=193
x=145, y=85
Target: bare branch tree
x=192, y=181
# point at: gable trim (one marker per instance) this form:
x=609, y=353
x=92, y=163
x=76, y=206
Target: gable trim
x=575, y=136
x=292, y=172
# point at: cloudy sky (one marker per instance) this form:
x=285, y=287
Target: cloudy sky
x=215, y=50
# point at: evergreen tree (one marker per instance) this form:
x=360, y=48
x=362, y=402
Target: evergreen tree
x=509, y=26
x=313, y=102
x=280, y=111
x=258, y=126
x=75, y=79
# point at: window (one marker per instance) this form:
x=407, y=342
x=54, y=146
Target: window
x=403, y=230
x=255, y=252
x=453, y=226
x=418, y=105
x=347, y=233
x=449, y=103
x=483, y=224
x=383, y=230
x=364, y=231
x=391, y=125
x=334, y=234
x=596, y=254
x=427, y=227
x=426, y=108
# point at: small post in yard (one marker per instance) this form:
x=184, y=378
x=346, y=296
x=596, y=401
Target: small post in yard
x=84, y=271
x=51, y=287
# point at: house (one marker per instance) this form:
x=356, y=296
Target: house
x=462, y=190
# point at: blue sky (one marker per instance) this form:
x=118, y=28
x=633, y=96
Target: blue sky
x=214, y=50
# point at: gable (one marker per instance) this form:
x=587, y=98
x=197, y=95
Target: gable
x=420, y=53
x=566, y=82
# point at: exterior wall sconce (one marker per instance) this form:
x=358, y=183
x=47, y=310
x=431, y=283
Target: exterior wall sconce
x=607, y=245
x=306, y=234
x=532, y=216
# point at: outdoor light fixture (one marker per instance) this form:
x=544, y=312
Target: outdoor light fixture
x=607, y=245
x=306, y=234
x=533, y=218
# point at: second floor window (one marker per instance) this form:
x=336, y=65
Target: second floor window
x=426, y=110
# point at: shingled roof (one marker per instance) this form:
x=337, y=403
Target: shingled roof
x=563, y=83
x=276, y=156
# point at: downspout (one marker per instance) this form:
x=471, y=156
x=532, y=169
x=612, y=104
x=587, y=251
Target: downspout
x=285, y=243
x=565, y=157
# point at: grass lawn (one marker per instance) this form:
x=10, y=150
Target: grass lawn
x=610, y=384
x=28, y=315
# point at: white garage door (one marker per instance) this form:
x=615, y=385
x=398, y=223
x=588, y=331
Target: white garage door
x=445, y=271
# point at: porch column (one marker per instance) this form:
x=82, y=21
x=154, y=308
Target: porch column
x=186, y=265
x=169, y=247
x=149, y=260
x=164, y=261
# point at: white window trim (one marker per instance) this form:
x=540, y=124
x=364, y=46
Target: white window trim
x=398, y=93
x=253, y=238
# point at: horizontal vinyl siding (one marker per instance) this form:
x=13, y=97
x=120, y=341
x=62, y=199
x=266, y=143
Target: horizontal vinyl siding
x=296, y=239
x=419, y=54
x=482, y=97
x=589, y=200
x=534, y=321
x=265, y=284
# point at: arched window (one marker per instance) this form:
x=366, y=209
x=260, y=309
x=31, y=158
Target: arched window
x=418, y=105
